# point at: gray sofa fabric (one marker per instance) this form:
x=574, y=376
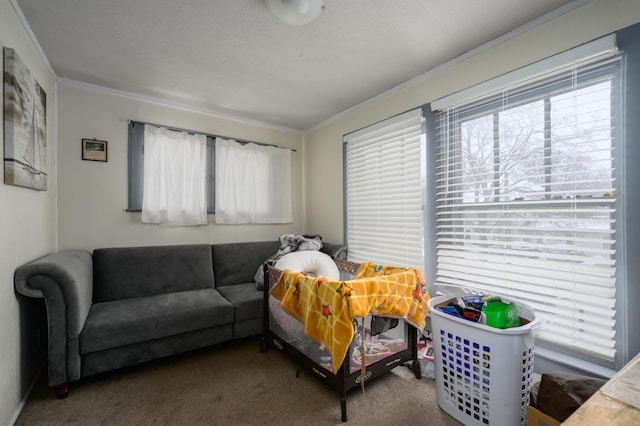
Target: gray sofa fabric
x=118, y=307
x=232, y=261
x=67, y=291
x=122, y=356
x=127, y=321
x=123, y=273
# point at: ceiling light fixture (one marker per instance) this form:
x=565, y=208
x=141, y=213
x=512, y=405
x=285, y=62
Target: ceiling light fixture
x=296, y=12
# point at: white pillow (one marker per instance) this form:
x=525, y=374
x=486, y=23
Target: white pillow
x=314, y=263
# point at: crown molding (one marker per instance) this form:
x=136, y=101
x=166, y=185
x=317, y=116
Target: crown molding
x=31, y=36
x=173, y=104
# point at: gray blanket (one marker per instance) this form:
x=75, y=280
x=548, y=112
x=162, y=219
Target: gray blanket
x=289, y=243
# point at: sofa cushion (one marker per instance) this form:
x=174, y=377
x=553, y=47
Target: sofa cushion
x=128, y=272
x=246, y=299
x=236, y=263
x=123, y=322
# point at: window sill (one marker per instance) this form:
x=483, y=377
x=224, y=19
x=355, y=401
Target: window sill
x=547, y=360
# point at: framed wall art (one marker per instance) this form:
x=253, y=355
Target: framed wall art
x=94, y=150
x=25, y=127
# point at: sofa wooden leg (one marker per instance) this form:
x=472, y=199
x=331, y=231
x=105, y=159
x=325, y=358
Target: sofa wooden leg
x=62, y=391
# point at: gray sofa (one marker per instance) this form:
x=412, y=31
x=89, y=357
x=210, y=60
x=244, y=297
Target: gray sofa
x=118, y=307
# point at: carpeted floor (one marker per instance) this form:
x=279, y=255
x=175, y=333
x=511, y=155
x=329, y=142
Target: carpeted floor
x=232, y=384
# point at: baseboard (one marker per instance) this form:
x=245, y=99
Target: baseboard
x=26, y=396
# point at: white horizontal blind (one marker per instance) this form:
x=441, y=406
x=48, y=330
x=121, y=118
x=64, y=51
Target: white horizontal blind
x=585, y=53
x=526, y=201
x=384, y=192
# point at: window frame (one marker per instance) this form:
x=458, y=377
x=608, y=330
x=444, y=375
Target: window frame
x=617, y=113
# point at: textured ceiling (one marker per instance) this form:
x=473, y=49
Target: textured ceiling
x=232, y=57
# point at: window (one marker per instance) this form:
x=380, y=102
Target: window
x=174, y=177
x=136, y=168
x=254, y=178
x=527, y=201
x=384, y=192
x=253, y=183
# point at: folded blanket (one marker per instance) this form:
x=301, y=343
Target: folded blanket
x=295, y=242
x=328, y=308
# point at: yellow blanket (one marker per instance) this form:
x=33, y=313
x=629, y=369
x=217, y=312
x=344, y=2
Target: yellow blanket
x=327, y=308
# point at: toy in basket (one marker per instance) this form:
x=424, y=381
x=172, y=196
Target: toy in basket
x=483, y=373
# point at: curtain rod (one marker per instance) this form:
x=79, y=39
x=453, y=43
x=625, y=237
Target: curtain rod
x=134, y=122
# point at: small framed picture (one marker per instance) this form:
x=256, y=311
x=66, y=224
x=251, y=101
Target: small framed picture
x=94, y=150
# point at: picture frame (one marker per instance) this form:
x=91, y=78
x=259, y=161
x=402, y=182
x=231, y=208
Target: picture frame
x=94, y=150
x=25, y=125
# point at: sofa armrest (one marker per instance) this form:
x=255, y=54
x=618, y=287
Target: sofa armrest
x=65, y=281
x=335, y=250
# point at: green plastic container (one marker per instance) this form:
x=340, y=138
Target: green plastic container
x=499, y=314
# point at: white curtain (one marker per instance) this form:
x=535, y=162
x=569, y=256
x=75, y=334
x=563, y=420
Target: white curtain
x=175, y=165
x=253, y=183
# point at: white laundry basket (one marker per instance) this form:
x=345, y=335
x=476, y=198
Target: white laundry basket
x=483, y=374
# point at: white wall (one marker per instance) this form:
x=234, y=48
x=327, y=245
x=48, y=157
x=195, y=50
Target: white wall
x=27, y=231
x=323, y=145
x=92, y=196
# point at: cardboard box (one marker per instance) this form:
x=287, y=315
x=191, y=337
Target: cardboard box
x=536, y=417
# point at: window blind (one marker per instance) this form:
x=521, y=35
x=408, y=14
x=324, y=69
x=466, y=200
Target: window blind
x=527, y=198
x=585, y=53
x=384, y=190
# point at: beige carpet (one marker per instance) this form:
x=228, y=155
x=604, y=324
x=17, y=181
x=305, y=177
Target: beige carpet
x=232, y=384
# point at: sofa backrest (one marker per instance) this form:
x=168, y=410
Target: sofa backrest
x=128, y=272
x=237, y=263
